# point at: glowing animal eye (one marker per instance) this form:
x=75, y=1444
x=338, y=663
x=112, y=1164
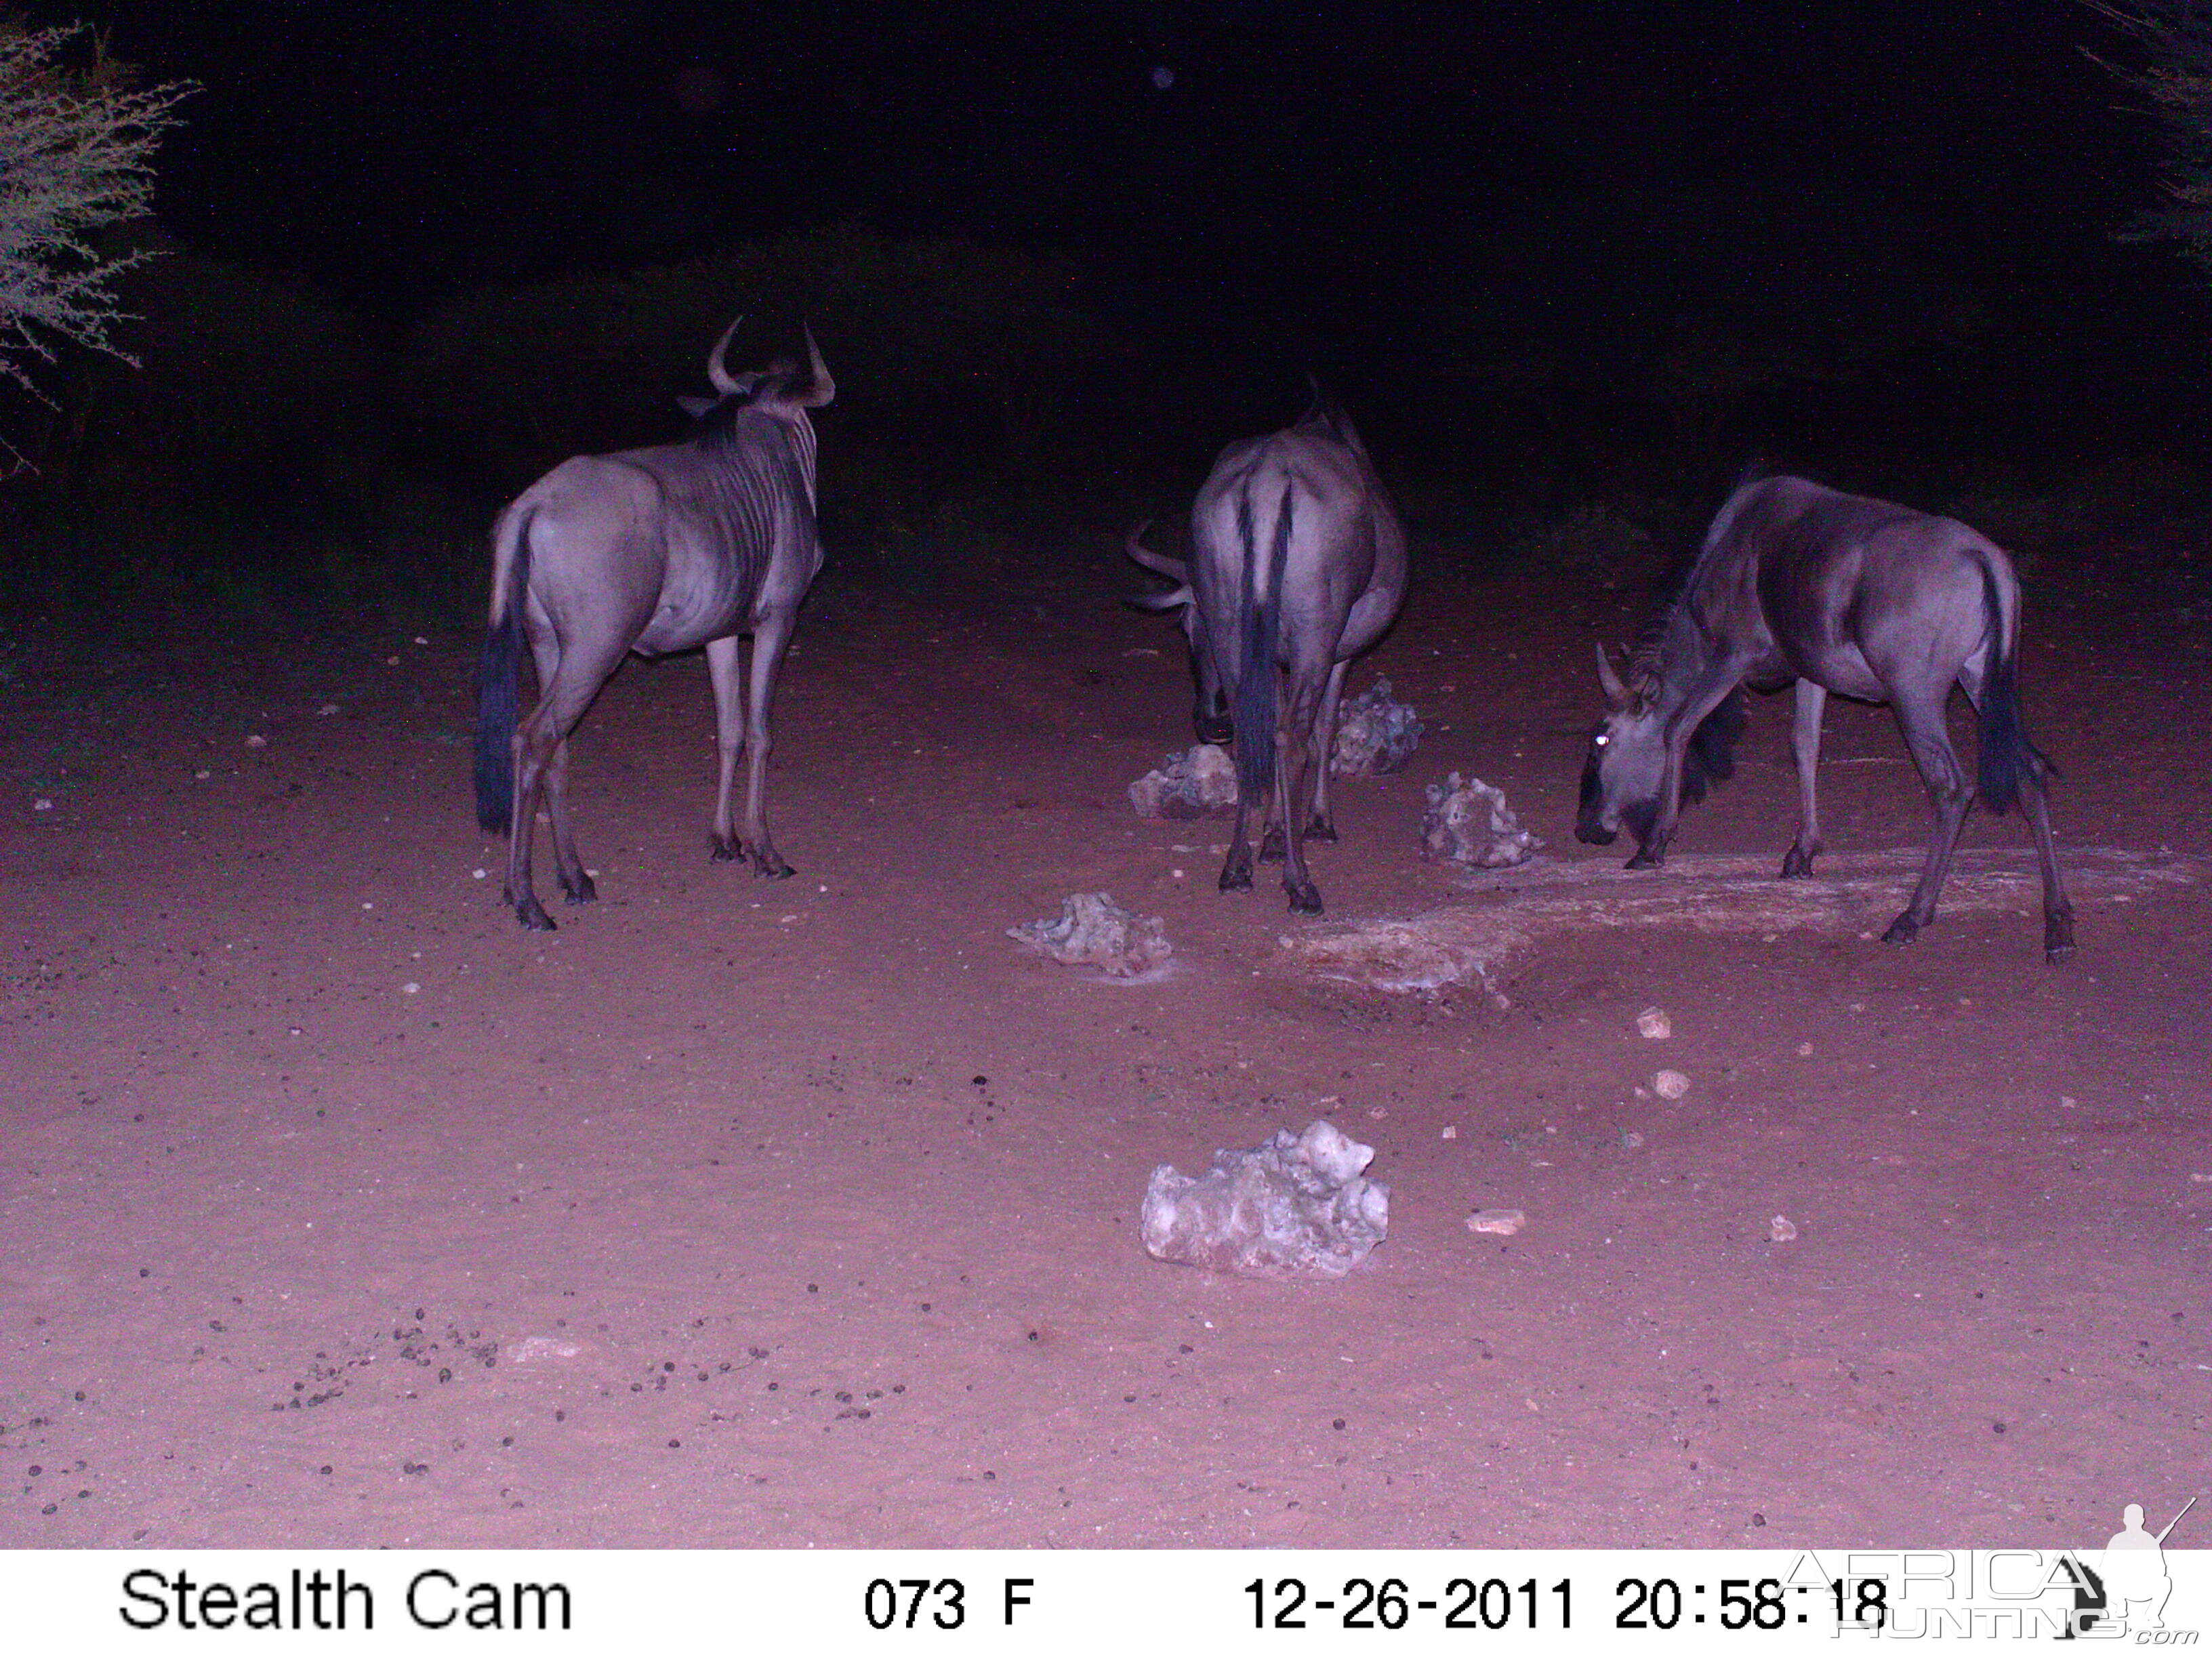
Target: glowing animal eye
x=1602, y=739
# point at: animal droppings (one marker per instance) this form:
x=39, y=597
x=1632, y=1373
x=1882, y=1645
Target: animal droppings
x=1375, y=735
x=1092, y=931
x=1187, y=786
x=1781, y=1230
x=1505, y=1223
x=1468, y=821
x=1670, y=1085
x=1653, y=1023
x=1295, y=1207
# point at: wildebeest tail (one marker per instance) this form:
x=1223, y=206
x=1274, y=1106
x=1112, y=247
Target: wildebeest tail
x=1261, y=614
x=499, y=675
x=2008, y=758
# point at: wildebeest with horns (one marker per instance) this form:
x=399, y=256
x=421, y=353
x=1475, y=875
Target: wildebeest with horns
x=1798, y=582
x=1297, y=565
x=650, y=551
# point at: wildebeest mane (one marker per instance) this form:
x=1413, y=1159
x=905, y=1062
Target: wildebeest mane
x=1711, y=757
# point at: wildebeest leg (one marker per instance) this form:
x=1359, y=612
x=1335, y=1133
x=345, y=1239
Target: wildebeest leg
x=1237, y=869
x=1703, y=698
x=727, y=673
x=567, y=864
x=563, y=697
x=1322, y=826
x=1298, y=751
x=1805, y=749
x=771, y=636
x=2057, y=909
x=1928, y=738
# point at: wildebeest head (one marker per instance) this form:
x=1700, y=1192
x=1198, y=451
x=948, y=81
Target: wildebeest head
x=1210, y=714
x=1625, y=775
x=780, y=388
x=1627, y=766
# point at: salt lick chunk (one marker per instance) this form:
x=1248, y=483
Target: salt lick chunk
x=1375, y=734
x=1187, y=786
x=1093, y=931
x=1469, y=822
x=1294, y=1207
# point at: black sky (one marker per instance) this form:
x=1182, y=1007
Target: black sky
x=1353, y=155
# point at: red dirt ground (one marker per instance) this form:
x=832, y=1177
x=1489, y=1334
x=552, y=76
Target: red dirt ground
x=335, y=1210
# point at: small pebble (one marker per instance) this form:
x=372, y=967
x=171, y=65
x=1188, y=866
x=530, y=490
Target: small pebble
x=203, y=774
x=42, y=804
x=1804, y=1051
x=1781, y=1230
x=1631, y=1139
x=255, y=740
x=1670, y=1085
x=478, y=874
x=1449, y=1132
x=411, y=987
x=1653, y=1023
x=1507, y=1222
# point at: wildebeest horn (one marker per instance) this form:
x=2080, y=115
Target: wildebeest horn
x=721, y=378
x=823, y=388
x=1174, y=569
x=1616, y=693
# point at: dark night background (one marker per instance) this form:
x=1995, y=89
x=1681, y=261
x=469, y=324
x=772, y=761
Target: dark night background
x=1570, y=264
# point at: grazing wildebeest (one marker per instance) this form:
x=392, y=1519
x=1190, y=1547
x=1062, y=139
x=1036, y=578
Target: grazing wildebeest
x=650, y=551
x=1797, y=583
x=1297, y=565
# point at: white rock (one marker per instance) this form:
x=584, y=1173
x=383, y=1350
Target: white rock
x=1468, y=821
x=1187, y=786
x=533, y=1348
x=1091, y=930
x=1297, y=1205
x=1653, y=1023
x=1781, y=1230
x=1505, y=1222
x=1375, y=734
x=255, y=740
x=1670, y=1084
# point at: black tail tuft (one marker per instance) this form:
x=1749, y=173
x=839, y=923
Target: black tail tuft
x=1254, y=716
x=2008, y=758
x=498, y=674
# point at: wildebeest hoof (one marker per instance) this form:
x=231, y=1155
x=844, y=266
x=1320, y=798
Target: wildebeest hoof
x=1270, y=847
x=532, y=914
x=1237, y=878
x=768, y=865
x=1305, y=898
x=2057, y=938
x=1903, y=931
x=1320, y=829
x=1795, y=863
x=722, y=851
x=1642, y=861
x=580, y=891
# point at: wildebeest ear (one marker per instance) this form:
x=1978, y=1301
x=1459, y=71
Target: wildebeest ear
x=1616, y=693
x=697, y=408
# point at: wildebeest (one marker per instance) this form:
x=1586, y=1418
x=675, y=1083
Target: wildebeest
x=1297, y=565
x=1798, y=582
x=650, y=551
